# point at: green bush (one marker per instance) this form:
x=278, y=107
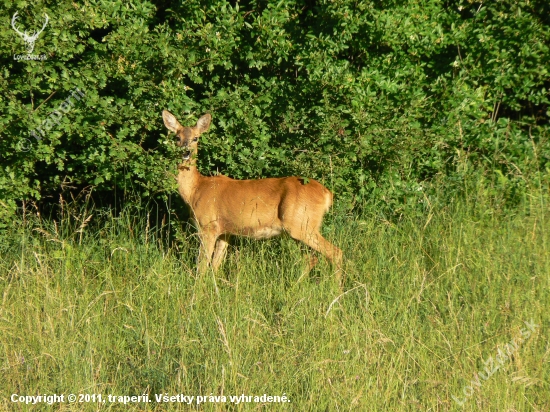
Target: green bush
x=378, y=101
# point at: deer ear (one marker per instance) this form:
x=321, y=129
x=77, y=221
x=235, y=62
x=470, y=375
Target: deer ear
x=170, y=121
x=204, y=123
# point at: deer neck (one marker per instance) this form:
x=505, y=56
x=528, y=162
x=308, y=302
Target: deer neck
x=188, y=179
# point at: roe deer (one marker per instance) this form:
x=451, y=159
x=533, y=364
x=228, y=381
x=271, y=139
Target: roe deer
x=260, y=209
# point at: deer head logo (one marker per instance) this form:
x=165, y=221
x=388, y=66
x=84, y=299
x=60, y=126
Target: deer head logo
x=29, y=39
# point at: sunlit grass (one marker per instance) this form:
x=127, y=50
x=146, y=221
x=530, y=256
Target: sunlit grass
x=109, y=307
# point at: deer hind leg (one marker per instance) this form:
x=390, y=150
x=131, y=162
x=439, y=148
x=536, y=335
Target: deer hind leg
x=310, y=262
x=309, y=258
x=208, y=243
x=317, y=242
x=220, y=251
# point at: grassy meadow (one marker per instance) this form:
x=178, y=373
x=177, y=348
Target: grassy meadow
x=108, y=305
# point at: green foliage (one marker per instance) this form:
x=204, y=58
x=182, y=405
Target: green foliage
x=374, y=100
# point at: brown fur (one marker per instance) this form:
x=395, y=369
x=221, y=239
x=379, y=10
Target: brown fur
x=260, y=209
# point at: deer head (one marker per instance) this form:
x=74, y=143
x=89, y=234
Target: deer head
x=29, y=39
x=188, y=137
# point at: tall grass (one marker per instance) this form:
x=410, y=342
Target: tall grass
x=108, y=305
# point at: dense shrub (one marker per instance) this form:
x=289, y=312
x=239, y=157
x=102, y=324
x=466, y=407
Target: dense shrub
x=375, y=98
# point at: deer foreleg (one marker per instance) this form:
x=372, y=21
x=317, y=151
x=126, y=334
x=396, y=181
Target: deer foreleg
x=208, y=242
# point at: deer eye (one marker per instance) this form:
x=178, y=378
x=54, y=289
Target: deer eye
x=195, y=139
